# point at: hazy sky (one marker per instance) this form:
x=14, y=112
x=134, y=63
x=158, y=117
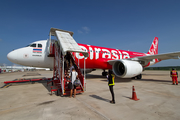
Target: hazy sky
x=122, y=24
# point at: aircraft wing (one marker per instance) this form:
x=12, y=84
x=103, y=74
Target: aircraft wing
x=165, y=56
x=145, y=59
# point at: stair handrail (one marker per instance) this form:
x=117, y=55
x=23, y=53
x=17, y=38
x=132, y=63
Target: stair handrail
x=78, y=71
x=58, y=66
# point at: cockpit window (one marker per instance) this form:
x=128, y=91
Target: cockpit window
x=33, y=45
x=39, y=45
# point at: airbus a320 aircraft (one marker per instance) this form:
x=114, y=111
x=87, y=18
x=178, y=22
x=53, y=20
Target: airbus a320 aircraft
x=125, y=64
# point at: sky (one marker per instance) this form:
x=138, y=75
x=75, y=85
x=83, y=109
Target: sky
x=121, y=24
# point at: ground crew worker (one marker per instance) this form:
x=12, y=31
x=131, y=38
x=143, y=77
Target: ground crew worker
x=111, y=77
x=174, y=76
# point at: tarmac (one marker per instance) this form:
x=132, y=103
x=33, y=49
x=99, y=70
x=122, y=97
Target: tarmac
x=159, y=99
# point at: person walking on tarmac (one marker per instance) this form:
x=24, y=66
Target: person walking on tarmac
x=174, y=76
x=111, y=77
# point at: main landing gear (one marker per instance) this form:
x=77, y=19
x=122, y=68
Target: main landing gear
x=104, y=73
x=137, y=77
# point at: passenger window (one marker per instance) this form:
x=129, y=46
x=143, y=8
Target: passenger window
x=33, y=45
x=39, y=45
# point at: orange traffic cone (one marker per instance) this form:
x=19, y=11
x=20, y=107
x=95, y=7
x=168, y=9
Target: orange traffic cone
x=134, y=97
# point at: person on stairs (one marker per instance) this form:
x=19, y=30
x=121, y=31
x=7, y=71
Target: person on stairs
x=73, y=76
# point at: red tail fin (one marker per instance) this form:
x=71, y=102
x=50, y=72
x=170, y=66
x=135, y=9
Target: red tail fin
x=154, y=47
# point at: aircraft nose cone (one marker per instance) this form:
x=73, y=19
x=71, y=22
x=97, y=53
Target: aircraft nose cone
x=12, y=56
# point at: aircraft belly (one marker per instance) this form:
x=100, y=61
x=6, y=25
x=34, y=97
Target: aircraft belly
x=96, y=64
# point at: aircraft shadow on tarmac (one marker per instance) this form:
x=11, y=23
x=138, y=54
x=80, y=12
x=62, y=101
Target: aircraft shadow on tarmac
x=48, y=87
x=153, y=80
x=119, y=80
x=99, y=98
x=89, y=76
x=149, y=74
x=122, y=80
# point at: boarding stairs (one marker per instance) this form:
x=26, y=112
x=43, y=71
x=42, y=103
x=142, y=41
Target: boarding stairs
x=58, y=49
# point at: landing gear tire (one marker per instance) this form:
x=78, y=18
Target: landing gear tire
x=104, y=73
x=139, y=76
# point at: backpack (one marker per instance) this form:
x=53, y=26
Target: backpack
x=77, y=82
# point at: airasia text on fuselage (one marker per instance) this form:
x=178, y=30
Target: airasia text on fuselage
x=97, y=52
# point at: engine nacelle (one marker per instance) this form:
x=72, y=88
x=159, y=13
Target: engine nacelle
x=127, y=68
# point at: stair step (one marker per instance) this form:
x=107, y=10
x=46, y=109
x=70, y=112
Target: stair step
x=54, y=89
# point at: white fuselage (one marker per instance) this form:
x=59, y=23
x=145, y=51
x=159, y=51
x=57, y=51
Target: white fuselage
x=34, y=55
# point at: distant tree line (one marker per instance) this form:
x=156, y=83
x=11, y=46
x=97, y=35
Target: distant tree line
x=163, y=68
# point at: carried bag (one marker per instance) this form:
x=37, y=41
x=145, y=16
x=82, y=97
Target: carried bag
x=77, y=82
x=70, y=85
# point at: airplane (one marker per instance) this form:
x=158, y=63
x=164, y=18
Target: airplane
x=125, y=64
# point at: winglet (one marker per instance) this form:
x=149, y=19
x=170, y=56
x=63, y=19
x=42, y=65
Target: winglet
x=154, y=47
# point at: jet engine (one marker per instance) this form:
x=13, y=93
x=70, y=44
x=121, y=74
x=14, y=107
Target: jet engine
x=126, y=68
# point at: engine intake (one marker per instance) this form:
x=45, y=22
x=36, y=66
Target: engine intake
x=127, y=68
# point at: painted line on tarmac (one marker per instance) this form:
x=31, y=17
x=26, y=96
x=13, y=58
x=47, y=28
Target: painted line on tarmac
x=6, y=85
x=91, y=108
